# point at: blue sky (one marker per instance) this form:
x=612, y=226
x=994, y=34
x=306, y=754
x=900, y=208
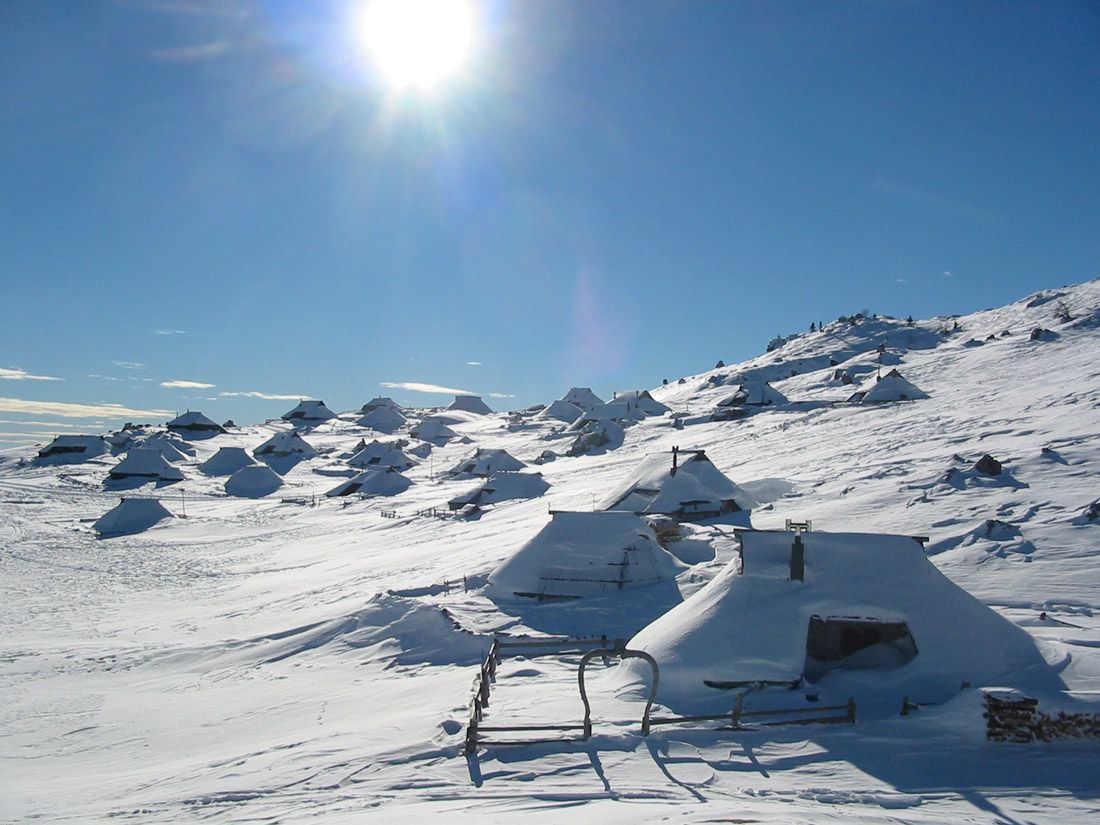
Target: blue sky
x=226, y=193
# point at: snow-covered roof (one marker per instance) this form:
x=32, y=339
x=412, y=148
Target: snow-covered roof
x=226, y=461
x=173, y=449
x=380, y=402
x=594, y=436
x=72, y=449
x=145, y=462
x=858, y=589
x=378, y=454
x=285, y=443
x=754, y=394
x=309, y=411
x=254, y=481
x=561, y=411
x=890, y=387
x=380, y=481
x=640, y=401
x=695, y=488
x=584, y=554
x=383, y=419
x=582, y=397
x=431, y=429
x=130, y=516
x=502, y=487
x=486, y=462
x=470, y=403
x=194, y=421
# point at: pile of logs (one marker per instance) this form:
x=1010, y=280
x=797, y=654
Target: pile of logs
x=1020, y=720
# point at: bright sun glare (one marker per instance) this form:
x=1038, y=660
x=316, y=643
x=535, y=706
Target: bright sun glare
x=418, y=43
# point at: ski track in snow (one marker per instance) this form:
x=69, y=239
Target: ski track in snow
x=268, y=661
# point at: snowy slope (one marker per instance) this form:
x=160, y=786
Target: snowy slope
x=298, y=658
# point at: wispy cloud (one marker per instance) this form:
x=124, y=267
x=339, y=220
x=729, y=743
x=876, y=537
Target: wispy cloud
x=191, y=8
x=947, y=273
x=267, y=396
x=23, y=375
x=931, y=200
x=103, y=377
x=57, y=425
x=129, y=365
x=69, y=410
x=193, y=53
x=170, y=332
x=500, y=395
x=473, y=363
x=416, y=386
x=187, y=385
x=20, y=438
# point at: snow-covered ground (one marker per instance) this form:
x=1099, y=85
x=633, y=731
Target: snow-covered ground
x=300, y=658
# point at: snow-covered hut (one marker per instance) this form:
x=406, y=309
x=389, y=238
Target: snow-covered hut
x=254, y=481
x=309, y=412
x=485, y=463
x=145, y=462
x=173, y=449
x=684, y=484
x=502, y=487
x=561, y=411
x=377, y=454
x=584, y=554
x=596, y=436
x=383, y=419
x=640, y=403
x=380, y=402
x=193, y=424
x=889, y=387
x=377, y=481
x=130, y=516
x=471, y=404
x=871, y=616
x=754, y=394
x=72, y=449
x=582, y=397
x=283, y=445
x=226, y=461
x=433, y=430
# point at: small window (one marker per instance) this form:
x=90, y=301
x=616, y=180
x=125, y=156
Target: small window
x=856, y=644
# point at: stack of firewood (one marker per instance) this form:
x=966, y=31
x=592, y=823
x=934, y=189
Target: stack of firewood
x=1019, y=720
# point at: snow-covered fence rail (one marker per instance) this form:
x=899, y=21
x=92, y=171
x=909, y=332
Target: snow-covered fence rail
x=791, y=716
x=591, y=648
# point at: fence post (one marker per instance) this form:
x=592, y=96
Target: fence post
x=471, y=736
x=851, y=711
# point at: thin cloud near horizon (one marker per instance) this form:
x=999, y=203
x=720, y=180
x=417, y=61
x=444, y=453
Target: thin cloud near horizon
x=68, y=409
x=266, y=396
x=22, y=375
x=178, y=384
x=418, y=386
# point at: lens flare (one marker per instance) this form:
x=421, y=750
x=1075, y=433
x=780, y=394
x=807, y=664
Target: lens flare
x=418, y=43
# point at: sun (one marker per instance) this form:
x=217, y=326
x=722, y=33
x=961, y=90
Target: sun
x=418, y=43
